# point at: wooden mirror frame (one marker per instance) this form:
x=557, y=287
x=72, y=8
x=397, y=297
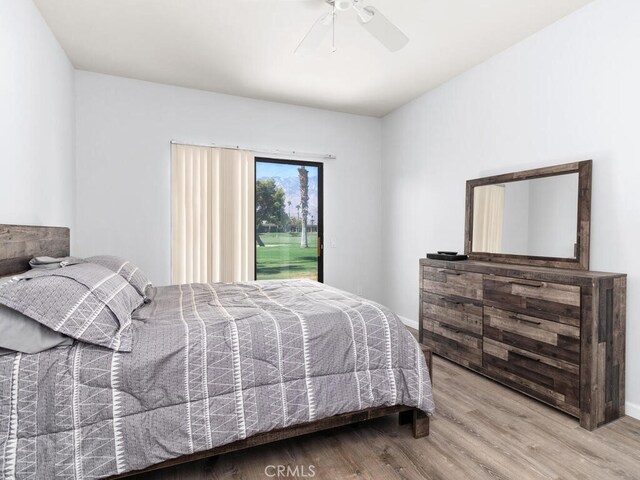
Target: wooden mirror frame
x=581, y=262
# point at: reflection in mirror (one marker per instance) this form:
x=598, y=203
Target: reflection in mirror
x=536, y=217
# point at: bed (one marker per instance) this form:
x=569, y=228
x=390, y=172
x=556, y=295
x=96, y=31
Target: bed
x=212, y=368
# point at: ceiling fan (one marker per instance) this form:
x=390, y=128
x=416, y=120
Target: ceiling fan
x=368, y=16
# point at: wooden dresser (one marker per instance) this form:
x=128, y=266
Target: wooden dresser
x=555, y=335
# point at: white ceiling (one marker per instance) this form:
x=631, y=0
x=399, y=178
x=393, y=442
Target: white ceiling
x=245, y=47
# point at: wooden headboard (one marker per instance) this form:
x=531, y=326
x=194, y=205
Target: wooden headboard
x=20, y=243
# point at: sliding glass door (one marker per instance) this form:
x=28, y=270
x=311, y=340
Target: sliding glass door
x=288, y=219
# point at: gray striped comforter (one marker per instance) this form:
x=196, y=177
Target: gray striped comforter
x=210, y=364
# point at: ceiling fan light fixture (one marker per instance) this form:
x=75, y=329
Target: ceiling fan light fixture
x=368, y=17
x=342, y=5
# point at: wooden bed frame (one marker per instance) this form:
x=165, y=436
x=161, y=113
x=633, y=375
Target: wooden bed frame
x=19, y=243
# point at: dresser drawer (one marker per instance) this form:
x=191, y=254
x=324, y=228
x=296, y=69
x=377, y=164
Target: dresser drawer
x=442, y=281
x=537, y=356
x=453, y=343
x=551, y=301
x=459, y=312
x=558, y=342
x=455, y=347
x=533, y=374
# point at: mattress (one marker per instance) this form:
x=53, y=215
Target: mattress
x=210, y=364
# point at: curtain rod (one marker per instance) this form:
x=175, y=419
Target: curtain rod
x=324, y=156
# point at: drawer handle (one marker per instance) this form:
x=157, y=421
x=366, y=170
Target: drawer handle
x=525, y=284
x=447, y=327
x=528, y=357
x=449, y=272
x=447, y=300
x=514, y=317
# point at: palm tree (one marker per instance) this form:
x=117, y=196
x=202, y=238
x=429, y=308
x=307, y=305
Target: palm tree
x=289, y=204
x=303, y=174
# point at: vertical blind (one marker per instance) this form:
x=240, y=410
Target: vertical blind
x=212, y=212
x=488, y=218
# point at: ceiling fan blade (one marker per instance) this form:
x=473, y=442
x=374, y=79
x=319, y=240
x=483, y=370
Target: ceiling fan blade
x=313, y=39
x=382, y=29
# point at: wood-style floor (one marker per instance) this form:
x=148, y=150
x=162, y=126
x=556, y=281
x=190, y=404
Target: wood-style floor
x=481, y=431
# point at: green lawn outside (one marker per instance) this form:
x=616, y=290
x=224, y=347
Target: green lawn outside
x=282, y=257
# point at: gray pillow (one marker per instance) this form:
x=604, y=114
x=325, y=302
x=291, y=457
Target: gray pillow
x=127, y=270
x=85, y=301
x=51, y=263
x=23, y=334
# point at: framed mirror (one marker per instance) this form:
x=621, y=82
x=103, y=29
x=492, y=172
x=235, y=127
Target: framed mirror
x=536, y=217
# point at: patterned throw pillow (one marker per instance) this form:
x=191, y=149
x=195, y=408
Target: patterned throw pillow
x=125, y=269
x=85, y=301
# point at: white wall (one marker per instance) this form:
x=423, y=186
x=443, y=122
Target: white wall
x=37, y=129
x=570, y=92
x=123, y=132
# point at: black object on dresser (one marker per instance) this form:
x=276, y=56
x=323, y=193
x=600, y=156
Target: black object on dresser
x=555, y=335
x=451, y=257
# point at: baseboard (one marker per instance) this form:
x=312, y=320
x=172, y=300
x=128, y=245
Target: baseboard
x=408, y=322
x=632, y=409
